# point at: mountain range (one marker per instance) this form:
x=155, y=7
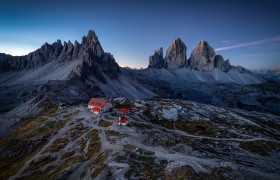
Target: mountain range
x=202, y=58
x=72, y=72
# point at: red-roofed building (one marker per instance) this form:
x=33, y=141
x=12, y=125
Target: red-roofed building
x=125, y=110
x=97, y=105
x=122, y=121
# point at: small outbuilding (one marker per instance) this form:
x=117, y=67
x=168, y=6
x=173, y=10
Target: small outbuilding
x=122, y=121
x=98, y=105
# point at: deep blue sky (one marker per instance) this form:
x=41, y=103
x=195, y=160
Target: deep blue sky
x=132, y=29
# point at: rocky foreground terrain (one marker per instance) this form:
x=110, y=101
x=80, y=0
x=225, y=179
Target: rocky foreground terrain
x=164, y=139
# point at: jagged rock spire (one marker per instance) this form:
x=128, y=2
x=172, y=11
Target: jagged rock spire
x=176, y=55
x=202, y=57
x=156, y=60
x=91, y=44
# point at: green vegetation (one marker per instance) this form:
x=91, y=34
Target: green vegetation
x=142, y=166
x=57, y=145
x=113, y=135
x=126, y=104
x=98, y=170
x=105, y=123
x=50, y=111
x=94, y=145
x=260, y=147
x=10, y=165
x=41, y=162
x=77, y=131
x=55, y=124
x=193, y=127
x=71, y=114
x=67, y=154
x=24, y=142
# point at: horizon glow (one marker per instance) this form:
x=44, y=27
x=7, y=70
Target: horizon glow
x=245, y=32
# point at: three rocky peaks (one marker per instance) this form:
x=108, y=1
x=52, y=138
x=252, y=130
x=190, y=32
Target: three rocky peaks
x=202, y=58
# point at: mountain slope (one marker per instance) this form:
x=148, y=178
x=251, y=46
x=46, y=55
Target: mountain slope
x=94, y=72
x=182, y=75
x=164, y=139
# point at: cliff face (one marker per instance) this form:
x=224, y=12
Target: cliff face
x=221, y=64
x=202, y=57
x=176, y=55
x=156, y=60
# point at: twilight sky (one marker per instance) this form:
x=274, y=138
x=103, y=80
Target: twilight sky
x=245, y=31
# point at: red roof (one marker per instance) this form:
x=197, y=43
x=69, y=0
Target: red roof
x=123, y=120
x=97, y=102
x=96, y=109
x=124, y=110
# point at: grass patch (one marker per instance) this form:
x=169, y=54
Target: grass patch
x=126, y=104
x=142, y=166
x=21, y=150
x=193, y=127
x=41, y=162
x=71, y=114
x=50, y=111
x=54, y=172
x=260, y=147
x=111, y=135
x=94, y=145
x=105, y=123
x=55, y=124
x=27, y=129
x=57, y=145
x=99, y=170
x=67, y=154
x=77, y=131
x=82, y=143
x=187, y=172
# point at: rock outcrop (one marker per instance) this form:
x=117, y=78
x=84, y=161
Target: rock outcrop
x=202, y=57
x=156, y=60
x=176, y=55
x=221, y=64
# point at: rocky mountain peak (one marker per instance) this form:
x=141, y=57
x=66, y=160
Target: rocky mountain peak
x=203, y=43
x=202, y=57
x=91, y=57
x=92, y=36
x=176, y=55
x=91, y=44
x=156, y=60
x=178, y=41
x=221, y=64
